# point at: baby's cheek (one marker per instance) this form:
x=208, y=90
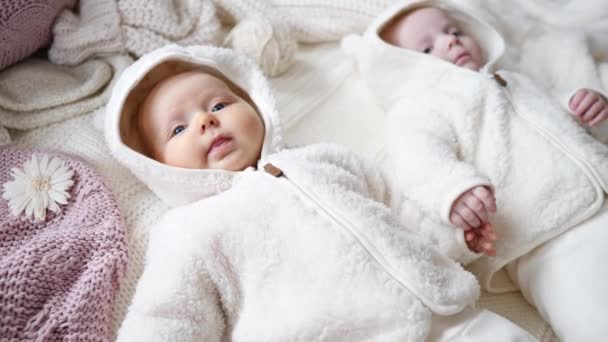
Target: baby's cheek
x=179, y=153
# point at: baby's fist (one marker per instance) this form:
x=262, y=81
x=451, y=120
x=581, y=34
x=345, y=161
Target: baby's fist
x=482, y=240
x=472, y=208
x=589, y=106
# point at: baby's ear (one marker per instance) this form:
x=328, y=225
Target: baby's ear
x=351, y=44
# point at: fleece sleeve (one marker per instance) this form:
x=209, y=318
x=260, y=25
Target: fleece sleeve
x=447, y=239
x=424, y=155
x=444, y=237
x=175, y=300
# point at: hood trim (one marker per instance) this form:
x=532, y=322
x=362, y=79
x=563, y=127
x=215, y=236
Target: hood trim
x=491, y=42
x=178, y=186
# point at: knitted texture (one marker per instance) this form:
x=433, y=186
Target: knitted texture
x=269, y=44
x=59, y=277
x=135, y=26
x=103, y=27
x=312, y=21
x=37, y=93
x=25, y=26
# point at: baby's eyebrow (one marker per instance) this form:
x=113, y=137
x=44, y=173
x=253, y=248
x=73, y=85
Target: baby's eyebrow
x=449, y=24
x=208, y=94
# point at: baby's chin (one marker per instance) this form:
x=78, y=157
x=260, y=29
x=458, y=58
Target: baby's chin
x=474, y=66
x=471, y=66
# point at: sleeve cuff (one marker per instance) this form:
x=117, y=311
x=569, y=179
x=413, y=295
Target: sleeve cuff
x=565, y=99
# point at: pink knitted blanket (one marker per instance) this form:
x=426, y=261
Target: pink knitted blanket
x=25, y=26
x=59, y=277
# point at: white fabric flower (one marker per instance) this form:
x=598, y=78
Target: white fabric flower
x=42, y=185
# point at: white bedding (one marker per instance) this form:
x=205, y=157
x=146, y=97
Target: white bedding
x=320, y=98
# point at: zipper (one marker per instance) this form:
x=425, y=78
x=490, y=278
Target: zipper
x=348, y=226
x=589, y=169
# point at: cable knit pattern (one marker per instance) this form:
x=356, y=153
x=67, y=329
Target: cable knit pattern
x=59, y=277
x=133, y=26
x=25, y=26
x=36, y=93
x=102, y=27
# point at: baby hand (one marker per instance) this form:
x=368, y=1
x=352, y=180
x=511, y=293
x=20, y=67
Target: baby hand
x=589, y=106
x=481, y=240
x=472, y=208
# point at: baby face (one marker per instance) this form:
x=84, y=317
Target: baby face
x=431, y=31
x=195, y=120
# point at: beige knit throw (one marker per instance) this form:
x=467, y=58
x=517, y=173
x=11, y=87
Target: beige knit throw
x=36, y=92
x=135, y=26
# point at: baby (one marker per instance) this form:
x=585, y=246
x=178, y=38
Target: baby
x=266, y=243
x=475, y=145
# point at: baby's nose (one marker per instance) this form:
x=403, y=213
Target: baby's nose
x=449, y=40
x=206, y=120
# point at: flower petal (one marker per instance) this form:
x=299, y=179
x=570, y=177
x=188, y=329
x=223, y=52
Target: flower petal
x=63, y=186
x=18, y=204
x=61, y=178
x=31, y=167
x=56, y=196
x=29, y=208
x=39, y=213
x=44, y=164
x=12, y=189
x=54, y=165
x=17, y=172
x=54, y=207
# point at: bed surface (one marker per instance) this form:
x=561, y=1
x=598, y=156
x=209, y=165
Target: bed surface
x=320, y=98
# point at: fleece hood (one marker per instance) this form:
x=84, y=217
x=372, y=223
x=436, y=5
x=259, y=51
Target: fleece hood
x=178, y=186
x=392, y=72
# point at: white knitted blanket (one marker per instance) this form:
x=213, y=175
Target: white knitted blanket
x=320, y=96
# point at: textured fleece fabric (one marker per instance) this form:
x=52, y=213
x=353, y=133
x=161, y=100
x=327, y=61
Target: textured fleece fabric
x=314, y=254
x=449, y=129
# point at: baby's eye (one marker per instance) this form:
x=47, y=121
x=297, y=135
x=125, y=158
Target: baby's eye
x=456, y=33
x=427, y=50
x=218, y=107
x=178, y=129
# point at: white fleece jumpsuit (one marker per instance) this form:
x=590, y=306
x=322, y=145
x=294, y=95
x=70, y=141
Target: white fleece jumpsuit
x=449, y=129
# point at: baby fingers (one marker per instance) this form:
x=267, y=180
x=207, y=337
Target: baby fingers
x=592, y=111
x=458, y=221
x=469, y=216
x=577, y=98
x=477, y=206
x=585, y=103
x=603, y=115
x=486, y=197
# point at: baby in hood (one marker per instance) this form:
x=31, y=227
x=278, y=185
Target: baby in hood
x=266, y=243
x=489, y=152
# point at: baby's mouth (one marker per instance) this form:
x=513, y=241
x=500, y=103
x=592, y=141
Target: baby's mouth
x=462, y=58
x=219, y=146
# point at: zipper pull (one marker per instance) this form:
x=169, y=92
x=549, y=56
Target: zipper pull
x=273, y=170
x=500, y=80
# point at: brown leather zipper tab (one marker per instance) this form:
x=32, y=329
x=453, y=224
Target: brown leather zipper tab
x=273, y=170
x=500, y=80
